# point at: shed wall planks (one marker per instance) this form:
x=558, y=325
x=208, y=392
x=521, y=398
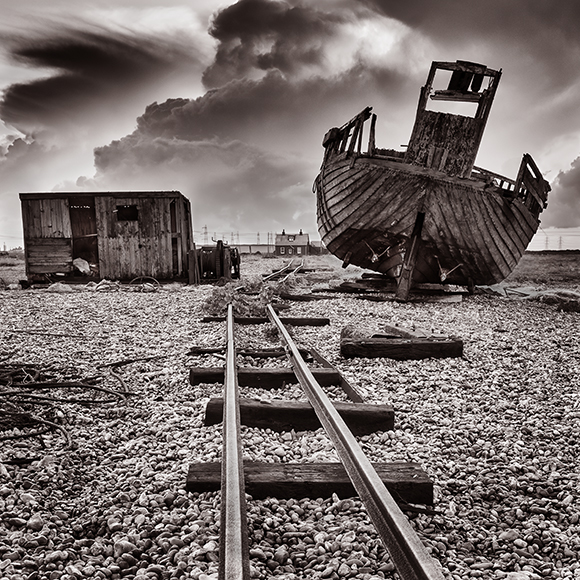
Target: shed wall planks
x=154, y=244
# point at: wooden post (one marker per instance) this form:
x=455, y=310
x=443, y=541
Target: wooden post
x=193, y=266
x=406, y=278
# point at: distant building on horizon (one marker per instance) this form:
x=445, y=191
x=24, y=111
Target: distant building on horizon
x=292, y=244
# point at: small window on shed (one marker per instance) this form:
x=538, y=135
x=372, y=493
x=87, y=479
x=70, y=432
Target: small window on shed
x=127, y=213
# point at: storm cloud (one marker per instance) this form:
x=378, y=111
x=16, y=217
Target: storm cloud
x=564, y=201
x=89, y=70
x=260, y=35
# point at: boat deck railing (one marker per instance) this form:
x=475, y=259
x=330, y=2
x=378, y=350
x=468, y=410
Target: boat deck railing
x=529, y=187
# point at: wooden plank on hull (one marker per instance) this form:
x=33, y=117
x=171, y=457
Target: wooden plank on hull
x=479, y=247
x=499, y=211
x=355, y=196
x=361, y=418
x=448, y=228
x=407, y=482
x=488, y=242
x=384, y=208
x=508, y=241
x=343, y=183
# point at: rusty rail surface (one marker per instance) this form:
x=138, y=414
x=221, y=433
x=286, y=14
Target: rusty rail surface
x=410, y=557
x=234, y=561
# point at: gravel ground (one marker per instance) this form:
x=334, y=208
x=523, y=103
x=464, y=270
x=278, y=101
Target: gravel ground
x=497, y=430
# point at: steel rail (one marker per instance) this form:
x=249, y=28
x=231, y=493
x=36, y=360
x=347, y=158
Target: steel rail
x=293, y=271
x=234, y=563
x=278, y=272
x=410, y=557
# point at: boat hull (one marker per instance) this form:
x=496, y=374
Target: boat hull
x=367, y=209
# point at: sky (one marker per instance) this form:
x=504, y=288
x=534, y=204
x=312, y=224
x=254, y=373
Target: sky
x=228, y=102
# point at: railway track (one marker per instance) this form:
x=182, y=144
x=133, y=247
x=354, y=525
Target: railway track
x=282, y=274
x=411, y=559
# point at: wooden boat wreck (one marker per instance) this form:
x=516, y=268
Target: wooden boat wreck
x=428, y=214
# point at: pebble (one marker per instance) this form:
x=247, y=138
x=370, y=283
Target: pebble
x=35, y=523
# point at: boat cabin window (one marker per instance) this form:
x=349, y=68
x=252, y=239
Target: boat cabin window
x=446, y=80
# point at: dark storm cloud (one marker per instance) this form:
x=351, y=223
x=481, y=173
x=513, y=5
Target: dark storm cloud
x=88, y=69
x=535, y=32
x=264, y=35
x=564, y=200
x=264, y=109
x=255, y=140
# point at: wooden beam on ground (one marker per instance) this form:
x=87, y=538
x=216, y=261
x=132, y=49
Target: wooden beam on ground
x=361, y=418
x=407, y=482
x=265, y=378
x=401, y=348
x=303, y=297
x=398, y=343
x=290, y=321
x=271, y=353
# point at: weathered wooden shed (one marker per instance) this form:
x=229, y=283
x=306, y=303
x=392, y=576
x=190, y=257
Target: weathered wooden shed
x=121, y=234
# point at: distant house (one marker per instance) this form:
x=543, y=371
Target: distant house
x=292, y=244
x=118, y=235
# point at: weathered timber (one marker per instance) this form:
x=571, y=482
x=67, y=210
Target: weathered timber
x=265, y=378
x=406, y=277
x=271, y=353
x=401, y=348
x=302, y=297
x=290, y=321
x=121, y=234
x=407, y=482
x=361, y=418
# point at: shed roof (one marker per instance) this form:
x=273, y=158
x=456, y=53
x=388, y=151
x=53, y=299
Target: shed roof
x=114, y=194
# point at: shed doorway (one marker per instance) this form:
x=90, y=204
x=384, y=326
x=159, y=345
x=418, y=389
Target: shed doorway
x=84, y=231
